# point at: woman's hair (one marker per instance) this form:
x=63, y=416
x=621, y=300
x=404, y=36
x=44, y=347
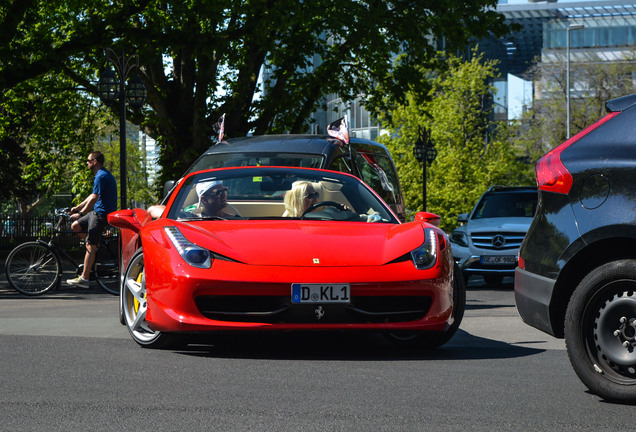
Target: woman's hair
x=295, y=198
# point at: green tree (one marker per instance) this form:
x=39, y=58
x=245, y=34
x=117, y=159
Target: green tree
x=302, y=51
x=202, y=58
x=46, y=127
x=473, y=152
x=138, y=188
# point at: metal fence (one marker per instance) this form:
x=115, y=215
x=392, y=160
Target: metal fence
x=17, y=229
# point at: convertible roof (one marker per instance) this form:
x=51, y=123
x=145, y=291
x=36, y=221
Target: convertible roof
x=310, y=144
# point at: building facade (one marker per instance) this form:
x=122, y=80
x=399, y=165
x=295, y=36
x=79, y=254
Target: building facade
x=608, y=35
x=597, y=31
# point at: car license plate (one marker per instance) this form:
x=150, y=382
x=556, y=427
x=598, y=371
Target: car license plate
x=499, y=259
x=321, y=293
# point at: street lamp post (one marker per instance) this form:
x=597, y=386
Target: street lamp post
x=425, y=152
x=567, y=72
x=112, y=87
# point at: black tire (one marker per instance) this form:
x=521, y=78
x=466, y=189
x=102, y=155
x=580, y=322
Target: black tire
x=33, y=269
x=600, y=331
x=133, y=301
x=428, y=340
x=493, y=280
x=106, y=271
x=107, y=275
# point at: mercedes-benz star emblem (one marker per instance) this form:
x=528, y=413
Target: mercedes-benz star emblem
x=498, y=241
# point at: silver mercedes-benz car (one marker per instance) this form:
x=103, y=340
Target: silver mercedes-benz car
x=487, y=244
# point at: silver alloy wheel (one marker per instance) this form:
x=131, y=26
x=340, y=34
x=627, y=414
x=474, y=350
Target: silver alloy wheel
x=134, y=302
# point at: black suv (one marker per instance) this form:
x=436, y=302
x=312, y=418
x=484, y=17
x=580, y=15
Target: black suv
x=577, y=266
x=365, y=159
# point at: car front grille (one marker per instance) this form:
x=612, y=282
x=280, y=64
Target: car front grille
x=279, y=310
x=497, y=240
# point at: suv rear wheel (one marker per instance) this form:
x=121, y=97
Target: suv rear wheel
x=600, y=331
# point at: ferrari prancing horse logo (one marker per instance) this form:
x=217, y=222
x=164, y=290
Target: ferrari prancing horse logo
x=316, y=260
x=320, y=312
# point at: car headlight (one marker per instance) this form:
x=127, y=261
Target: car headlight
x=194, y=255
x=459, y=237
x=425, y=256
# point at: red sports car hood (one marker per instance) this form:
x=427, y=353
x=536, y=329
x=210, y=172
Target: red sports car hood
x=300, y=243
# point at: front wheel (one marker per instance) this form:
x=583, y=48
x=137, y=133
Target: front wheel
x=134, y=306
x=427, y=340
x=33, y=269
x=600, y=331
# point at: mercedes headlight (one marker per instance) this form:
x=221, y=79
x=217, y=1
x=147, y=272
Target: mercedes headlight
x=459, y=237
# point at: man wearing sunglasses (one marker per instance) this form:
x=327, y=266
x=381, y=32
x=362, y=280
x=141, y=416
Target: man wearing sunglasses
x=89, y=217
x=213, y=200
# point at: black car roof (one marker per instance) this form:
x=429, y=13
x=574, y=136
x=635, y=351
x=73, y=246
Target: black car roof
x=621, y=103
x=310, y=144
x=511, y=189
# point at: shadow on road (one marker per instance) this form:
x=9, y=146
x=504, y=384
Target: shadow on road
x=63, y=292
x=348, y=346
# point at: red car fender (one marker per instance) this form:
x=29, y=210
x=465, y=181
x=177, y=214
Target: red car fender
x=130, y=222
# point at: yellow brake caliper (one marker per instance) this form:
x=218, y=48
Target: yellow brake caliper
x=135, y=301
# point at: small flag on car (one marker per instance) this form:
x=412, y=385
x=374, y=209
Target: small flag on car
x=339, y=129
x=219, y=127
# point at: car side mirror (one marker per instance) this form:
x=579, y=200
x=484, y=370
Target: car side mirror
x=462, y=218
x=167, y=187
x=124, y=219
x=428, y=217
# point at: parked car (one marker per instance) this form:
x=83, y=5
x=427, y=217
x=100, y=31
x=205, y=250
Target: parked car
x=346, y=263
x=577, y=268
x=365, y=159
x=487, y=244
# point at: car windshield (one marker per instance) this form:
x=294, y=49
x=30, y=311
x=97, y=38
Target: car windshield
x=277, y=193
x=506, y=204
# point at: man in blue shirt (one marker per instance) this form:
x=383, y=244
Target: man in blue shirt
x=89, y=217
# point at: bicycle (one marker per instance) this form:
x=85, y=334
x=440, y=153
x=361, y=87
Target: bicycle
x=35, y=267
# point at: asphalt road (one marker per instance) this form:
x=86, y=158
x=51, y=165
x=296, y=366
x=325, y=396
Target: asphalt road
x=67, y=364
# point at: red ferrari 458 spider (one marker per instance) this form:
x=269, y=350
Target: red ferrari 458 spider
x=276, y=248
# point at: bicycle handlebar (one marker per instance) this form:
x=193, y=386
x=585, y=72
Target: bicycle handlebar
x=65, y=211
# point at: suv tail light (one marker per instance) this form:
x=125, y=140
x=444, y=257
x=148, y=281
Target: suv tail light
x=552, y=175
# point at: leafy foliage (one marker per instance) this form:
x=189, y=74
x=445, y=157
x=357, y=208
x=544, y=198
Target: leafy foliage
x=137, y=189
x=202, y=58
x=46, y=127
x=593, y=83
x=473, y=152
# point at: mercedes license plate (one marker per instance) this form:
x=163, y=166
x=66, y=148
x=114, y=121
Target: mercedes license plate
x=320, y=293
x=499, y=259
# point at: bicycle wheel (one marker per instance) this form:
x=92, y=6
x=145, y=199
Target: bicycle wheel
x=107, y=275
x=32, y=268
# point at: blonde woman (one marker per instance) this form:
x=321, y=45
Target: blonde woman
x=299, y=198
